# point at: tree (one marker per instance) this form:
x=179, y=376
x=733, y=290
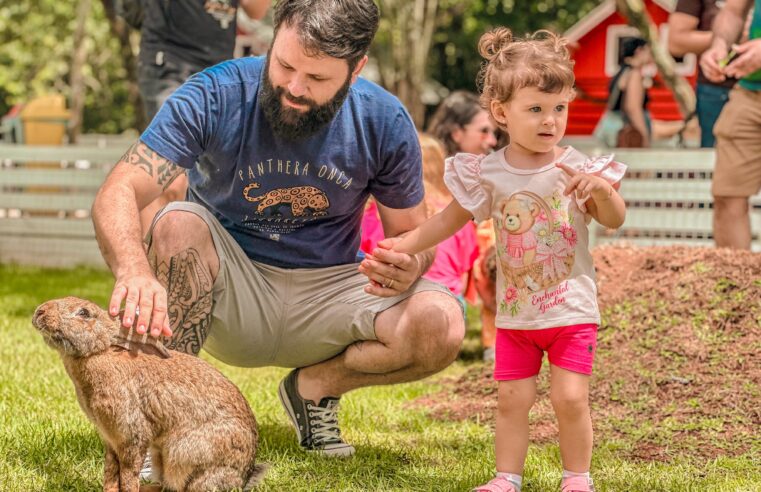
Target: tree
x=454, y=60
x=36, y=53
x=406, y=29
x=77, y=64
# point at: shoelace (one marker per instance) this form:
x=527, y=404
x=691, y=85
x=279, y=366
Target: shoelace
x=147, y=465
x=325, y=424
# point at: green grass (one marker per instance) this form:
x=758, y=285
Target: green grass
x=47, y=444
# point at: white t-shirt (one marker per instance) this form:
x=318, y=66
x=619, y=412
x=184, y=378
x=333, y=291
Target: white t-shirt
x=546, y=277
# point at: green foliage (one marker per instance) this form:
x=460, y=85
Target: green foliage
x=36, y=47
x=455, y=60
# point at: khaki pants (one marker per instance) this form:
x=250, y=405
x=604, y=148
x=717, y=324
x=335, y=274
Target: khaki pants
x=738, y=145
x=270, y=316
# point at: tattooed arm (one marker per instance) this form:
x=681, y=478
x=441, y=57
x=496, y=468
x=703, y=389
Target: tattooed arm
x=137, y=179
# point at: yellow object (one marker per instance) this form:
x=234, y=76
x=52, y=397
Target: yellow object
x=44, y=119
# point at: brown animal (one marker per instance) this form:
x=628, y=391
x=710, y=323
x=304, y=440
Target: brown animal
x=199, y=428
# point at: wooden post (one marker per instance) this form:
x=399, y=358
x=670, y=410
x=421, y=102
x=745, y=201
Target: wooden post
x=635, y=11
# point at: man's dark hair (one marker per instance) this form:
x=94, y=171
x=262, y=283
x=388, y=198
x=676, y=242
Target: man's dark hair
x=629, y=47
x=339, y=28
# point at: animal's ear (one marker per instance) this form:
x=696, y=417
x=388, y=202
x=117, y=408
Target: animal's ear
x=535, y=209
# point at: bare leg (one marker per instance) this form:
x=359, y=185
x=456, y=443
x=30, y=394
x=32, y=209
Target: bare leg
x=731, y=222
x=569, y=393
x=488, y=328
x=111, y=471
x=186, y=263
x=416, y=338
x=515, y=401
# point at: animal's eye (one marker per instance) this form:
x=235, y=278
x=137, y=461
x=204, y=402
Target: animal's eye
x=83, y=313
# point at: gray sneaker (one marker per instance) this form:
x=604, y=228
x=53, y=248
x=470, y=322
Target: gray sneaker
x=316, y=425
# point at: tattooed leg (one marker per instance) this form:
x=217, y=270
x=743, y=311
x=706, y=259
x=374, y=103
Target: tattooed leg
x=188, y=273
x=188, y=284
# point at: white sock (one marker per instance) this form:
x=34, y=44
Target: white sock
x=517, y=480
x=569, y=474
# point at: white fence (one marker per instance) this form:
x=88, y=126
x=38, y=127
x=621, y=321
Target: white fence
x=46, y=194
x=668, y=198
x=45, y=199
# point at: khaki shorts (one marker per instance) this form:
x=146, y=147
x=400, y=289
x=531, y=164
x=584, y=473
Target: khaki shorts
x=270, y=316
x=738, y=145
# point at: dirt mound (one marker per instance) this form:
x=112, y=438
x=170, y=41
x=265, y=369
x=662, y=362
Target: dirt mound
x=677, y=370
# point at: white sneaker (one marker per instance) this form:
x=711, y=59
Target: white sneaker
x=146, y=472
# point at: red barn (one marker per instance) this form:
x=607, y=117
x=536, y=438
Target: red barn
x=595, y=41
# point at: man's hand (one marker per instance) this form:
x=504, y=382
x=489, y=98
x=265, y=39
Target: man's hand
x=748, y=59
x=390, y=273
x=709, y=61
x=145, y=298
x=586, y=185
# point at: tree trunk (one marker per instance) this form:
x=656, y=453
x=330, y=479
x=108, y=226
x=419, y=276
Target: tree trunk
x=412, y=23
x=76, y=80
x=634, y=10
x=122, y=32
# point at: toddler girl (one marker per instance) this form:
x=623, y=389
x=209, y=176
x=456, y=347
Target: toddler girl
x=540, y=197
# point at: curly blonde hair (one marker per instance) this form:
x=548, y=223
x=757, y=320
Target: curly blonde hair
x=540, y=60
x=434, y=155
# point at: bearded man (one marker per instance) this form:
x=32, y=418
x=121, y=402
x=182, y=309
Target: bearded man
x=260, y=265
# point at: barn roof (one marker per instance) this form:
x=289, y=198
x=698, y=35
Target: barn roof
x=602, y=12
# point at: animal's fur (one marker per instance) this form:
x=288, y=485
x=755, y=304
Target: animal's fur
x=198, y=426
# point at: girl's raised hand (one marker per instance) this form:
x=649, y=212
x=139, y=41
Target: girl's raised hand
x=586, y=185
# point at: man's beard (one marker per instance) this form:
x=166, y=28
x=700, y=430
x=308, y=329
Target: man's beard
x=290, y=123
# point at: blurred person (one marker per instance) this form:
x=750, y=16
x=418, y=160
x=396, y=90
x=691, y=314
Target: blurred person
x=177, y=39
x=737, y=175
x=464, y=126
x=455, y=256
x=628, y=93
x=690, y=32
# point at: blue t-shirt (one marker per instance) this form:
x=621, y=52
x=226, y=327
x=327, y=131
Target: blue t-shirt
x=288, y=204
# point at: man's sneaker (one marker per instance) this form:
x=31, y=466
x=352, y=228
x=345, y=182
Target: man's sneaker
x=316, y=425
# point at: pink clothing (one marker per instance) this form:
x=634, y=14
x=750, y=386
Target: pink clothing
x=454, y=257
x=519, y=244
x=519, y=353
x=372, y=228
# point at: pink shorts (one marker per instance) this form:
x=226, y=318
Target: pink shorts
x=519, y=352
